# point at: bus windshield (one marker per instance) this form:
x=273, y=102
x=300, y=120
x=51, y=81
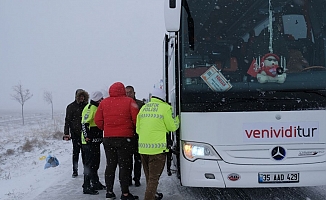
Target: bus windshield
x=241, y=51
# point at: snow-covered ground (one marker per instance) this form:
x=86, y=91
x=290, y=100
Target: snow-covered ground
x=23, y=149
x=22, y=175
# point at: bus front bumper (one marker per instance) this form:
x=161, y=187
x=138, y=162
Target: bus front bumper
x=212, y=173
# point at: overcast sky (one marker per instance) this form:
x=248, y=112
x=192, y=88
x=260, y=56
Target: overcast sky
x=62, y=45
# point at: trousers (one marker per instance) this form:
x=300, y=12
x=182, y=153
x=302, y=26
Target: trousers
x=76, y=149
x=92, y=157
x=153, y=166
x=118, y=151
x=135, y=164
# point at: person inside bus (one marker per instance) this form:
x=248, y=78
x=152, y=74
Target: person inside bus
x=296, y=62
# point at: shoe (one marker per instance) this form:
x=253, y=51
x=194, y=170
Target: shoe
x=158, y=196
x=137, y=183
x=90, y=190
x=169, y=172
x=128, y=197
x=99, y=186
x=74, y=174
x=110, y=196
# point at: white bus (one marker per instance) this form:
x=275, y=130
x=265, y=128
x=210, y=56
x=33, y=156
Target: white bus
x=248, y=80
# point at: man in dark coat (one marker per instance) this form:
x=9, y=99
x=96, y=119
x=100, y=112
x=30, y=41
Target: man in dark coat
x=72, y=128
x=136, y=166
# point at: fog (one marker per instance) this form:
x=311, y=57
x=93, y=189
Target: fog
x=60, y=46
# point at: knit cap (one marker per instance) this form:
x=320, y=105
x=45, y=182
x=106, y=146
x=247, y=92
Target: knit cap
x=96, y=96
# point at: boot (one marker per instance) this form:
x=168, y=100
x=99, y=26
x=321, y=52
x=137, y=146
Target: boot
x=74, y=174
x=137, y=182
x=99, y=186
x=87, y=189
x=90, y=191
x=158, y=196
x=129, y=197
x=110, y=196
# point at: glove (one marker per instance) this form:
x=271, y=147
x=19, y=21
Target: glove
x=66, y=137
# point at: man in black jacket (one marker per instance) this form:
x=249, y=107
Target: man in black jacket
x=130, y=92
x=72, y=128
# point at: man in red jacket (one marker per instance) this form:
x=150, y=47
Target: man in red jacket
x=116, y=115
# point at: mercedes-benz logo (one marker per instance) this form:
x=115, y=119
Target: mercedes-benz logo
x=278, y=153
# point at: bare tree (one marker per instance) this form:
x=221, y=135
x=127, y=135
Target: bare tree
x=21, y=95
x=49, y=99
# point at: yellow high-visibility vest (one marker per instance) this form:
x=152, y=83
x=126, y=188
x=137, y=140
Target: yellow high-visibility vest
x=154, y=121
x=88, y=115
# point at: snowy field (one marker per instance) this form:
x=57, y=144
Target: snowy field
x=22, y=175
x=23, y=149
x=22, y=158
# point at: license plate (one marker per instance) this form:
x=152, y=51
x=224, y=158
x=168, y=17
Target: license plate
x=279, y=177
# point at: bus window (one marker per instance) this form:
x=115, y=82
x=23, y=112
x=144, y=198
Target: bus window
x=295, y=25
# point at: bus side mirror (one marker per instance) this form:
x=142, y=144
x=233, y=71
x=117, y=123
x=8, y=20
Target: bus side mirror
x=172, y=12
x=172, y=3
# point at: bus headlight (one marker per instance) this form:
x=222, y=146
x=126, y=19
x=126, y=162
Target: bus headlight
x=193, y=151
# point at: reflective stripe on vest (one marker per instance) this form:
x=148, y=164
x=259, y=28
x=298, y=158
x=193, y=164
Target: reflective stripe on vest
x=151, y=115
x=84, y=132
x=152, y=146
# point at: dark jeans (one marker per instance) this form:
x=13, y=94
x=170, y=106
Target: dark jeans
x=135, y=161
x=76, y=149
x=91, y=163
x=118, y=151
x=153, y=167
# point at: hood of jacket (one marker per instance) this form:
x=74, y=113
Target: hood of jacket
x=80, y=92
x=117, y=89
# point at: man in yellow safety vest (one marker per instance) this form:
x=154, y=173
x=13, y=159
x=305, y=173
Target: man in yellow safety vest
x=154, y=121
